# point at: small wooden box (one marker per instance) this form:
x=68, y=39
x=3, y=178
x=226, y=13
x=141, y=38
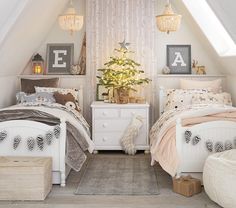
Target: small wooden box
x=187, y=186
x=25, y=178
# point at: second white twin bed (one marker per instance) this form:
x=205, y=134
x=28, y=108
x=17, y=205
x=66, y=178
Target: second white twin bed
x=195, y=122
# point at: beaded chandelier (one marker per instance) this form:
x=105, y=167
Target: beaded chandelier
x=70, y=20
x=168, y=21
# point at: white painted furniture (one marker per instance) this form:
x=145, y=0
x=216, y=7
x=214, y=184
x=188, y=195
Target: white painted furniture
x=26, y=129
x=193, y=157
x=110, y=122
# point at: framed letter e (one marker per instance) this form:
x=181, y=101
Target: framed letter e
x=59, y=58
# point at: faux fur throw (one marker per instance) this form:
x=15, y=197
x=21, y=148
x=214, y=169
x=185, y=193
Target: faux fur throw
x=131, y=132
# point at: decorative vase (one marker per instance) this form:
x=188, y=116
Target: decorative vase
x=75, y=69
x=122, y=96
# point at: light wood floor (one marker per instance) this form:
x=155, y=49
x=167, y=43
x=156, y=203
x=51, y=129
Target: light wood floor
x=65, y=198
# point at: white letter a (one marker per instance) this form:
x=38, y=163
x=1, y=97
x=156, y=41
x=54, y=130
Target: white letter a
x=178, y=59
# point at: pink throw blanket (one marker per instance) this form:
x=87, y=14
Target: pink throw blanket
x=163, y=132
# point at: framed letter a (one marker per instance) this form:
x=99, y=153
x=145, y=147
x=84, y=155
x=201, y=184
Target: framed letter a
x=179, y=59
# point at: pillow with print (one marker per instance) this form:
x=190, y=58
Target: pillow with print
x=212, y=98
x=39, y=97
x=178, y=98
x=63, y=91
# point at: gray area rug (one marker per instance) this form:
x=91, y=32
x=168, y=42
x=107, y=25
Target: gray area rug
x=118, y=175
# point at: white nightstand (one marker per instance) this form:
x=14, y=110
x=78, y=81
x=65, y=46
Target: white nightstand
x=110, y=121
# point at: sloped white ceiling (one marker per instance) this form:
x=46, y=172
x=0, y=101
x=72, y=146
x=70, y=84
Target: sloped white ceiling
x=33, y=23
x=225, y=11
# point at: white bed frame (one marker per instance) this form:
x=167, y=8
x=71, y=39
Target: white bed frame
x=26, y=129
x=193, y=157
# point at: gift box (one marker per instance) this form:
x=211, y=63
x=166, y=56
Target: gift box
x=197, y=185
x=186, y=186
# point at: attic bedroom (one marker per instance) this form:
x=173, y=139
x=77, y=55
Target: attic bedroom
x=118, y=103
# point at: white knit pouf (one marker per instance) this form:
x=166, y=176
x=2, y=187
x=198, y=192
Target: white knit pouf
x=219, y=178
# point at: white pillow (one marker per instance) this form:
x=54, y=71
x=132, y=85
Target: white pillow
x=214, y=85
x=178, y=98
x=212, y=98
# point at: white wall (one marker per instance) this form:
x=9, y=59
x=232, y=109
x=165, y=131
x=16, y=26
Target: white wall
x=8, y=86
x=109, y=20
x=19, y=41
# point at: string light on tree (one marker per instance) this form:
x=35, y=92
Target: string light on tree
x=121, y=73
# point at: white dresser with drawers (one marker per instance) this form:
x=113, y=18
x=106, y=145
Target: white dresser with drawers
x=111, y=120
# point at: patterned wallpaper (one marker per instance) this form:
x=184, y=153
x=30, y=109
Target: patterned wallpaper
x=109, y=22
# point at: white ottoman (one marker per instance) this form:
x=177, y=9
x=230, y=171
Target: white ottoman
x=219, y=178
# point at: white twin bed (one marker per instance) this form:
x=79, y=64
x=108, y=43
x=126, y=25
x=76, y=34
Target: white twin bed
x=185, y=135
x=15, y=135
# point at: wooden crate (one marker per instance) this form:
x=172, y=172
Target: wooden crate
x=25, y=178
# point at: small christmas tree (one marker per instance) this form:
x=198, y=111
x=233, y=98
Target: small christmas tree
x=121, y=73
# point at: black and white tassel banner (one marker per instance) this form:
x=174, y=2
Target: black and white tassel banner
x=3, y=135
x=16, y=142
x=31, y=143
x=187, y=135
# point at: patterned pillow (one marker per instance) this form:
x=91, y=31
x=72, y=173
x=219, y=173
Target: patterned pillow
x=67, y=100
x=178, y=98
x=62, y=91
x=40, y=97
x=211, y=98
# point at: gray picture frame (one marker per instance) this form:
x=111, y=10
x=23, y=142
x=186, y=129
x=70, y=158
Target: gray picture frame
x=60, y=57
x=179, y=59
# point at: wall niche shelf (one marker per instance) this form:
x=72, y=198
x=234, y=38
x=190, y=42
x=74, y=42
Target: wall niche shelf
x=35, y=76
x=191, y=75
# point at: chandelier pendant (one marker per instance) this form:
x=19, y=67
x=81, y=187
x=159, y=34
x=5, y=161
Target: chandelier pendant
x=70, y=20
x=168, y=21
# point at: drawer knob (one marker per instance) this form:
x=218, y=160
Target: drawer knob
x=104, y=139
x=104, y=113
x=104, y=125
x=133, y=113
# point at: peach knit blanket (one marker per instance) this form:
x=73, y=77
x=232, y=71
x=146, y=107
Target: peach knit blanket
x=163, y=132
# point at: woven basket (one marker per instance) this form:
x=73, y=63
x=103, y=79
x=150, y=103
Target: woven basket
x=122, y=96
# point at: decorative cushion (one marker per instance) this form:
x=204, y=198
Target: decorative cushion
x=178, y=98
x=63, y=91
x=28, y=85
x=40, y=97
x=67, y=100
x=211, y=98
x=214, y=85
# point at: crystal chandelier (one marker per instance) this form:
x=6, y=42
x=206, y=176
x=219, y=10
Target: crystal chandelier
x=168, y=21
x=70, y=20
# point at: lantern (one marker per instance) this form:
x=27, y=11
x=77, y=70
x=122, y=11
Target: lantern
x=37, y=64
